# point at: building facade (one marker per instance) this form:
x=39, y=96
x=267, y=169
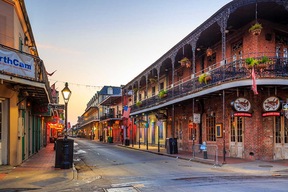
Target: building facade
x=102, y=119
x=224, y=83
x=24, y=88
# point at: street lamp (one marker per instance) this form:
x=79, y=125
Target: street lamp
x=66, y=93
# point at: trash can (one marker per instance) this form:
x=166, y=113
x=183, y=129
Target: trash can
x=110, y=139
x=101, y=138
x=127, y=142
x=64, y=153
x=171, y=145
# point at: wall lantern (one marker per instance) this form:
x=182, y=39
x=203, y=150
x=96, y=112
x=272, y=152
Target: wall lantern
x=209, y=52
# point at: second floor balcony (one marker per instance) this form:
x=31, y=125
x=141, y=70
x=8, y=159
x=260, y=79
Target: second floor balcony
x=233, y=74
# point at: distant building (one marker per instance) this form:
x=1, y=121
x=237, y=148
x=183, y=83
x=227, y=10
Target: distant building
x=102, y=118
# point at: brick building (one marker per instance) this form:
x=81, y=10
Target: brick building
x=222, y=84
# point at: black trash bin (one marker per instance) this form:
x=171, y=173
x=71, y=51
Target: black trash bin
x=64, y=153
x=101, y=138
x=127, y=142
x=171, y=146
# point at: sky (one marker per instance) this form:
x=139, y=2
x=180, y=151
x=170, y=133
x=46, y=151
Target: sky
x=93, y=43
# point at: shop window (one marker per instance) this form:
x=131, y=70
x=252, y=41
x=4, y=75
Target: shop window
x=278, y=129
x=161, y=131
x=232, y=128
x=286, y=130
x=210, y=127
x=236, y=129
x=239, y=129
x=161, y=86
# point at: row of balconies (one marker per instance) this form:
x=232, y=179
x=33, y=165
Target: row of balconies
x=275, y=67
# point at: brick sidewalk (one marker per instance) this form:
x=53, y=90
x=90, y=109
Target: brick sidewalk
x=35, y=173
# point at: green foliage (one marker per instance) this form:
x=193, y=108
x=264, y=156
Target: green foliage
x=162, y=93
x=202, y=78
x=264, y=59
x=138, y=103
x=251, y=61
x=255, y=26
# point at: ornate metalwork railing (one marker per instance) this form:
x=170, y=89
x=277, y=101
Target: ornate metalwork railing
x=276, y=67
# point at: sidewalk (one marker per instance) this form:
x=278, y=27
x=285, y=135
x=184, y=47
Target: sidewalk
x=37, y=172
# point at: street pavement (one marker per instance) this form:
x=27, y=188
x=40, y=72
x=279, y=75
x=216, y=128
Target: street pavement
x=38, y=172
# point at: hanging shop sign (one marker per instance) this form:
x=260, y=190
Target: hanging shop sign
x=196, y=118
x=17, y=63
x=271, y=104
x=241, y=105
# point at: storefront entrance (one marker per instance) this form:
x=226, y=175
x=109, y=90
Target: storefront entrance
x=3, y=132
x=281, y=137
x=236, y=137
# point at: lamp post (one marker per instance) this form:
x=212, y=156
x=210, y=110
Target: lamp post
x=67, y=144
x=66, y=93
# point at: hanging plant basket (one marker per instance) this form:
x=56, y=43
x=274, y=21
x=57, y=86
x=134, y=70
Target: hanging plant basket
x=139, y=104
x=256, y=29
x=185, y=62
x=205, y=78
x=152, y=80
x=162, y=94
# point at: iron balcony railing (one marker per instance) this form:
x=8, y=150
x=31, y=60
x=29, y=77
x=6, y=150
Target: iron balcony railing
x=87, y=121
x=109, y=116
x=235, y=70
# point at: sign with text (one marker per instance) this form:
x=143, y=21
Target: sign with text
x=17, y=63
x=197, y=118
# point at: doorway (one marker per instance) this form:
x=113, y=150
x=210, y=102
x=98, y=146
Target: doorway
x=4, y=110
x=281, y=137
x=236, y=137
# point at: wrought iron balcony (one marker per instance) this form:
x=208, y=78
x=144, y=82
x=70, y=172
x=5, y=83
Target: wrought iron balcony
x=87, y=121
x=276, y=67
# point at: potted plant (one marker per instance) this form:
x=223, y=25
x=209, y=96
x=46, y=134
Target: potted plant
x=162, y=94
x=262, y=63
x=256, y=29
x=185, y=62
x=204, y=78
x=152, y=80
x=139, y=103
x=251, y=62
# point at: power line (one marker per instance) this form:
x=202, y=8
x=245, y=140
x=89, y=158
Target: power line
x=80, y=85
